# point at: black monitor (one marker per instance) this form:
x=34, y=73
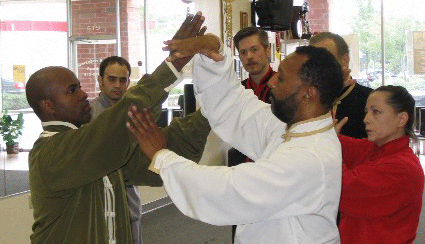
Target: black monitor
x=273, y=15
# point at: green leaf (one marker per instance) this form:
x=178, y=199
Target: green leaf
x=11, y=129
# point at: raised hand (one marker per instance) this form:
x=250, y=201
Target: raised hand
x=191, y=27
x=149, y=136
x=208, y=45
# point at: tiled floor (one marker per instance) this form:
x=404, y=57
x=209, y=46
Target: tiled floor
x=169, y=226
x=13, y=182
x=14, y=161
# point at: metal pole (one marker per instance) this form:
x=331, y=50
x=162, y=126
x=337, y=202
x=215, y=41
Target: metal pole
x=118, y=29
x=382, y=43
x=69, y=33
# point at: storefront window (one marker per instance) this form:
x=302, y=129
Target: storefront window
x=386, y=46
x=164, y=19
x=405, y=46
x=33, y=35
x=78, y=35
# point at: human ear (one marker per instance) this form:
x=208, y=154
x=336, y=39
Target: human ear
x=345, y=65
x=345, y=61
x=403, y=118
x=268, y=52
x=310, y=93
x=47, y=107
x=99, y=79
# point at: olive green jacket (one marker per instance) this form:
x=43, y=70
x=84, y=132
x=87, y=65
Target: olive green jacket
x=67, y=166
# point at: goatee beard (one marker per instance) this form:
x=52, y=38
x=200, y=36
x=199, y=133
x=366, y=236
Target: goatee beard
x=284, y=109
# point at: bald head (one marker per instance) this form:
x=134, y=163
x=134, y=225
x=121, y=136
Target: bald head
x=39, y=85
x=55, y=94
x=335, y=44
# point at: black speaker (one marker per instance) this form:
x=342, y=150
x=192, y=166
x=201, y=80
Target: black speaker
x=274, y=15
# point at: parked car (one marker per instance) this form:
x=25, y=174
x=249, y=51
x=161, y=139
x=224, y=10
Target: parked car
x=377, y=74
x=11, y=86
x=362, y=81
x=367, y=79
x=419, y=97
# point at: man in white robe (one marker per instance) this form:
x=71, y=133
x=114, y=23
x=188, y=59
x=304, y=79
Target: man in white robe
x=290, y=194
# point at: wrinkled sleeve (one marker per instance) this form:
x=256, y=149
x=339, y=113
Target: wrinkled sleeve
x=266, y=189
x=186, y=136
x=234, y=113
x=77, y=157
x=367, y=186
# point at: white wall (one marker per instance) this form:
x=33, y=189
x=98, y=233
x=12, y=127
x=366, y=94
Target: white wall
x=237, y=7
x=211, y=10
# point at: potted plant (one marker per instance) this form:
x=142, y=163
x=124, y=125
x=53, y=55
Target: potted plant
x=11, y=130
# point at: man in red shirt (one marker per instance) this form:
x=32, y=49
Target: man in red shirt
x=254, y=52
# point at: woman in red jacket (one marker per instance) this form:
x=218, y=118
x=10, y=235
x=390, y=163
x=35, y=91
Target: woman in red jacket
x=382, y=181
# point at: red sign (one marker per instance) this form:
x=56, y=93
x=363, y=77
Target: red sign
x=27, y=25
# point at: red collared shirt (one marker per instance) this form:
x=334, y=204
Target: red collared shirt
x=262, y=91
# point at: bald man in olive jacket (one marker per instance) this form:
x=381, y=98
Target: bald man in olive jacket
x=78, y=170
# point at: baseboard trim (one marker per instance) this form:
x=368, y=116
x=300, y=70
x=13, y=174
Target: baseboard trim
x=154, y=205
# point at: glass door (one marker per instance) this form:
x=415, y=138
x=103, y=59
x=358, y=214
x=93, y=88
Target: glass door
x=93, y=35
x=86, y=57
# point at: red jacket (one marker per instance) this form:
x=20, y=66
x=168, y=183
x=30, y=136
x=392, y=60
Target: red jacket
x=382, y=188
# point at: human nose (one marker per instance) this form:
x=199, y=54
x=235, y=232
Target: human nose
x=116, y=83
x=366, y=118
x=84, y=95
x=249, y=54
